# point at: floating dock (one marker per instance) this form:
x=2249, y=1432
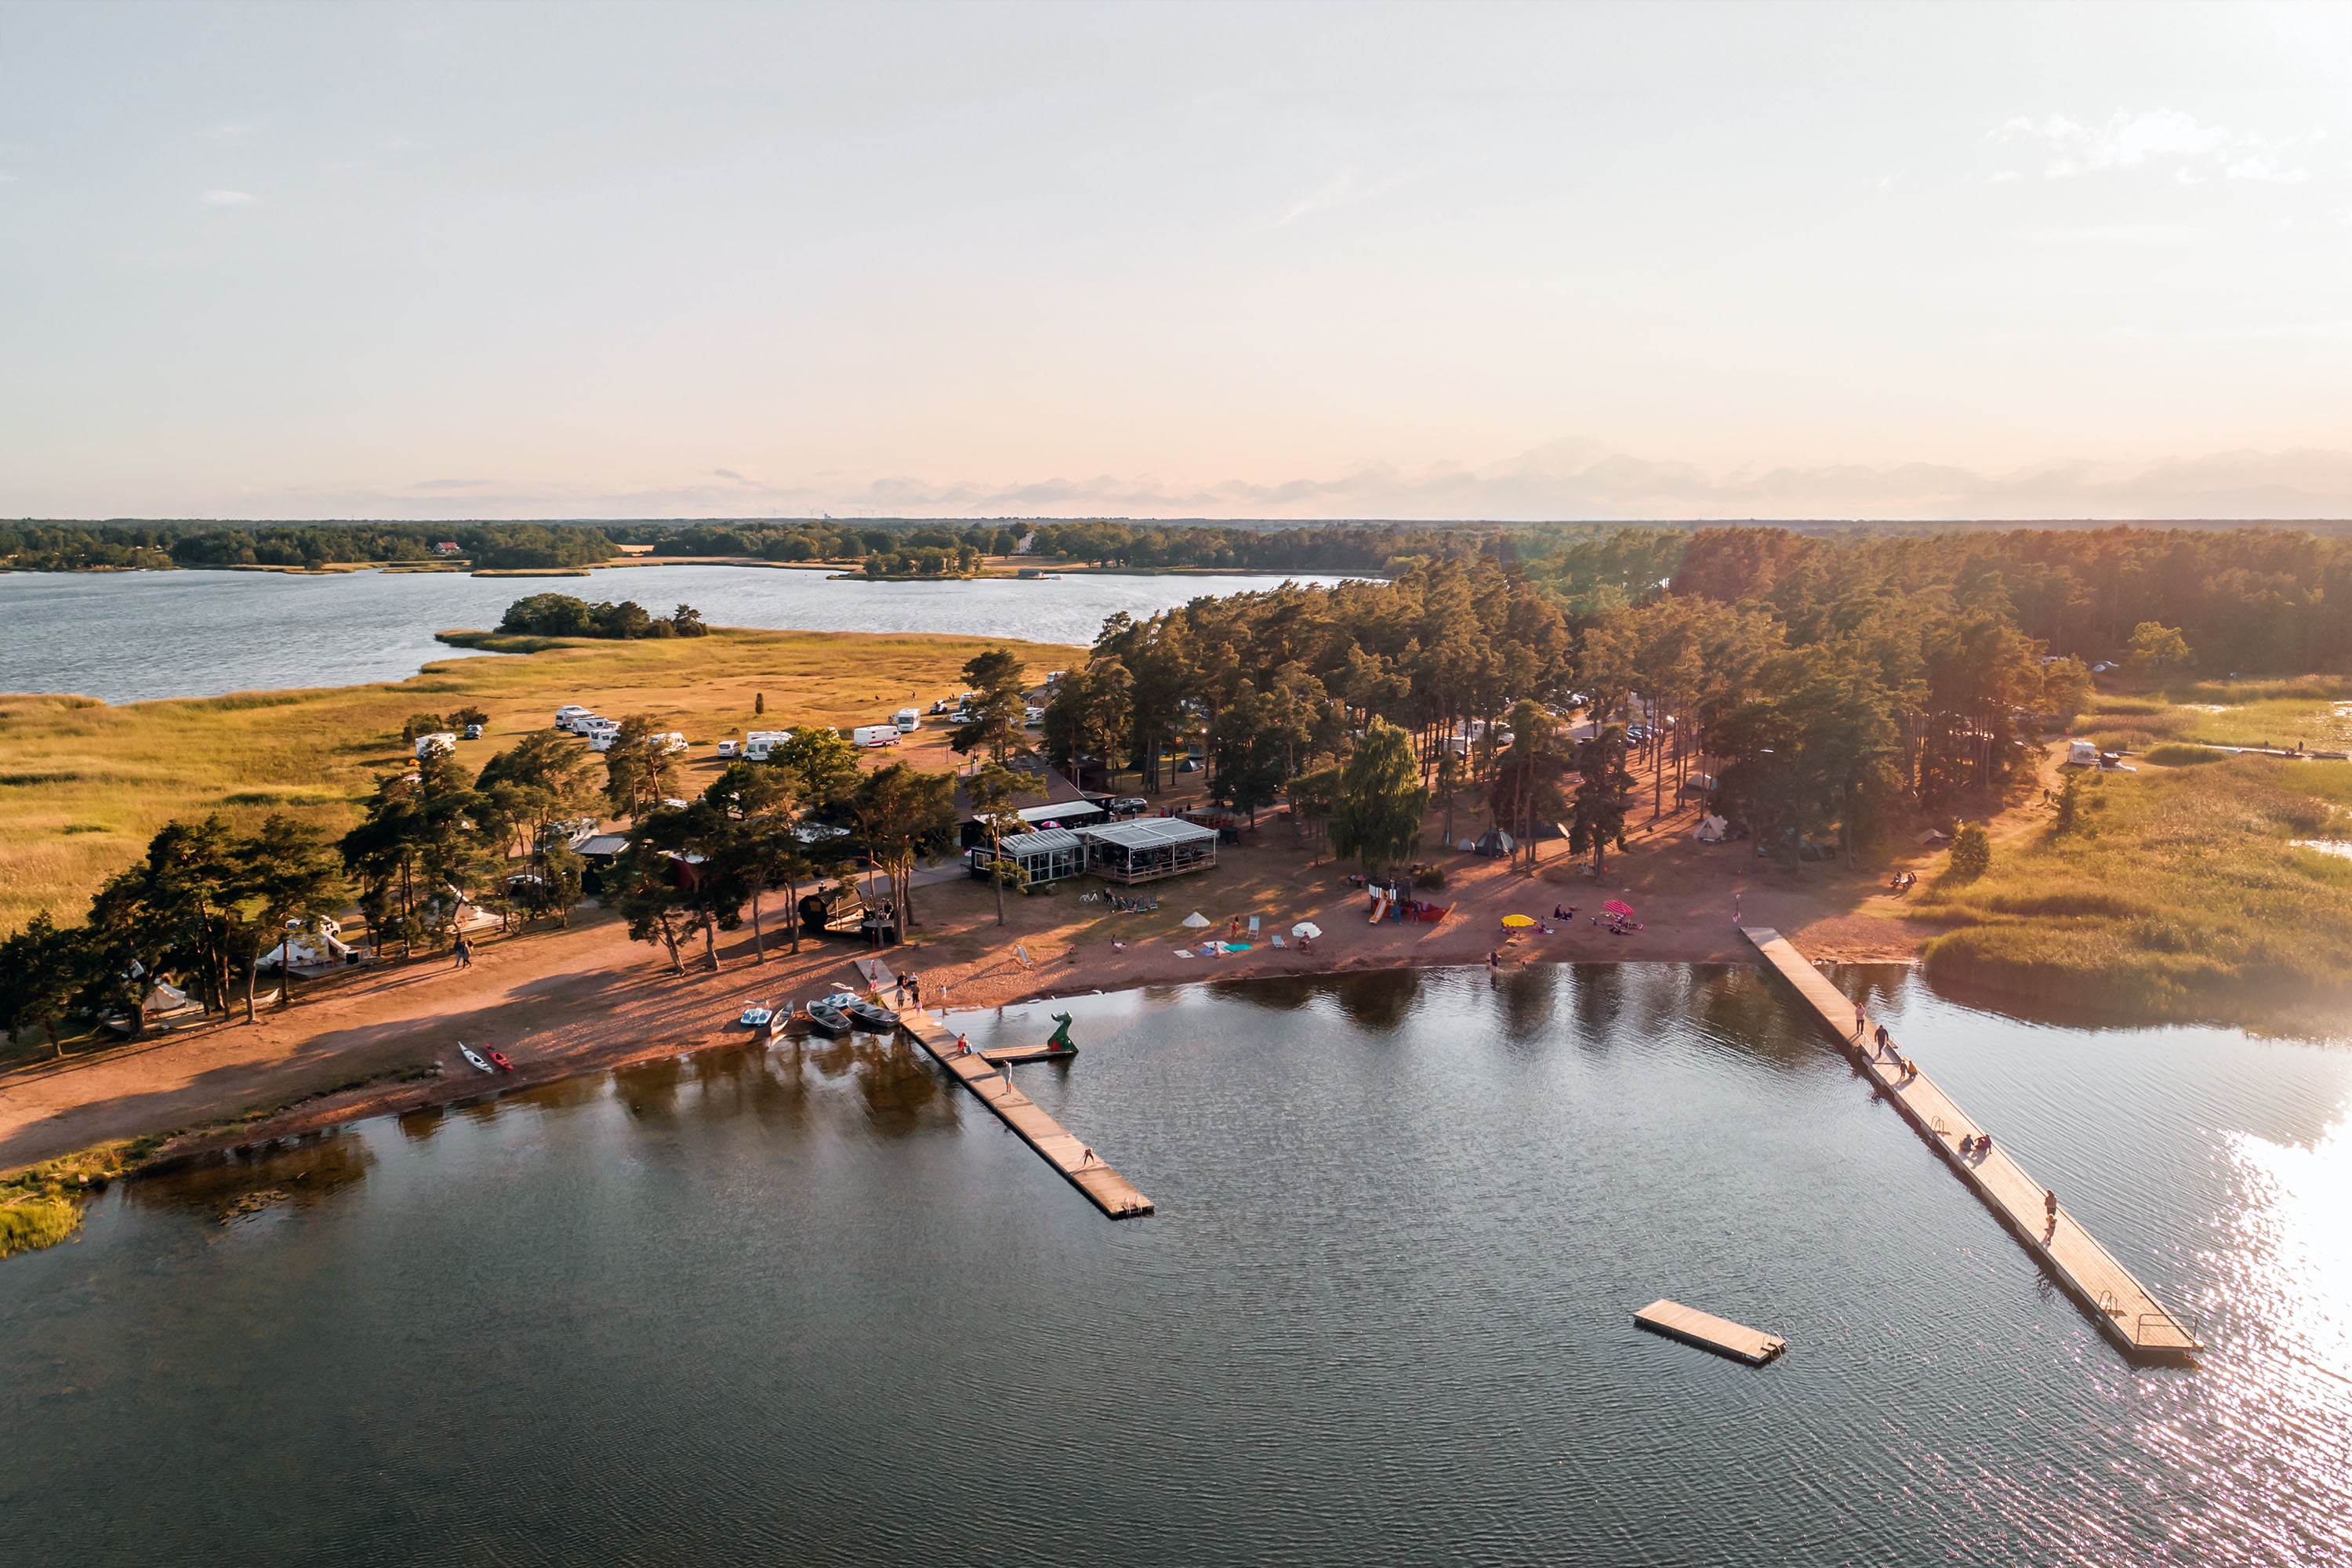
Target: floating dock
x=2123, y=1308
x=1709, y=1332
x=1106, y=1188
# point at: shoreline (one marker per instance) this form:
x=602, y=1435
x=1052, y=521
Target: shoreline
x=447, y=1088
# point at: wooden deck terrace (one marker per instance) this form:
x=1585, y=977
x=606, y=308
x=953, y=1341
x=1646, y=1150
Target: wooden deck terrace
x=1106, y=1188
x=2123, y=1309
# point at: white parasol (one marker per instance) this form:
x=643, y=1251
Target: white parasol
x=1307, y=929
x=1196, y=920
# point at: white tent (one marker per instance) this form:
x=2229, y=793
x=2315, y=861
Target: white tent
x=1711, y=830
x=1196, y=920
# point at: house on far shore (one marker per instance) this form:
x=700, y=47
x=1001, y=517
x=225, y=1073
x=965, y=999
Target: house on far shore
x=447, y=547
x=1048, y=796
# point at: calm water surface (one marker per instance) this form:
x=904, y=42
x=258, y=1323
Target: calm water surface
x=808, y=1305
x=126, y=636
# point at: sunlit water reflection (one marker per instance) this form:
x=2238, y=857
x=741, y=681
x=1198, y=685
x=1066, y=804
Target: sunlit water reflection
x=809, y=1304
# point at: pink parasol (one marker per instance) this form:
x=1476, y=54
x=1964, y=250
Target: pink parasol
x=1619, y=907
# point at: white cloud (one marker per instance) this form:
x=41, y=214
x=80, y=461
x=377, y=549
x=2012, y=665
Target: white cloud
x=229, y=199
x=2263, y=167
x=2153, y=138
x=6, y=178
x=232, y=131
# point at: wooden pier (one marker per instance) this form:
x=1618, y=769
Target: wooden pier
x=1106, y=1188
x=2121, y=1305
x=1709, y=1332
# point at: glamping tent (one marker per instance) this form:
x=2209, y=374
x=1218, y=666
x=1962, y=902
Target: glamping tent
x=1711, y=830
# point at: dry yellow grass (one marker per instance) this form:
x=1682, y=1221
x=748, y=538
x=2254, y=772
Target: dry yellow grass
x=83, y=785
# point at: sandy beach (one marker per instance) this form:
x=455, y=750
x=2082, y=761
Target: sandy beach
x=561, y=1002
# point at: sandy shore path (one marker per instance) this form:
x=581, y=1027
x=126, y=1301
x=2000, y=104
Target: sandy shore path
x=565, y=1001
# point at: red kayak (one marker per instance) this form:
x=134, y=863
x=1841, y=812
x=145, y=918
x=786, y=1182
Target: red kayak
x=499, y=1058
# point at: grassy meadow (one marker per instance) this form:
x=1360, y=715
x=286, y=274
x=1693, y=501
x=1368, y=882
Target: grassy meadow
x=2180, y=894
x=2316, y=709
x=84, y=785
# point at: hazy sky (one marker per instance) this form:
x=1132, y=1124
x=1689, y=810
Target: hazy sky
x=1508, y=262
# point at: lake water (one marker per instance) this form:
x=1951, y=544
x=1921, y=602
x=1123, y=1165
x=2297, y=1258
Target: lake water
x=809, y=1305
x=126, y=636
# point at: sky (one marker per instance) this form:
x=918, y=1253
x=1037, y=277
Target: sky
x=1502, y=261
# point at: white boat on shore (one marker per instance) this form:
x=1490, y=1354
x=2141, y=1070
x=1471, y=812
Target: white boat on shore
x=470, y=1055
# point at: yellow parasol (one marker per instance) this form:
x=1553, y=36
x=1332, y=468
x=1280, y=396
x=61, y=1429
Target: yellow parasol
x=1518, y=922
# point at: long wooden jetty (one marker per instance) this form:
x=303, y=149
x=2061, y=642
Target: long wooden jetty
x=1110, y=1191
x=2119, y=1304
x=1709, y=1332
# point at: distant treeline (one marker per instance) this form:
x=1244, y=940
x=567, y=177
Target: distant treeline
x=892, y=547
x=2253, y=600
x=1323, y=547
x=81, y=547
x=824, y=541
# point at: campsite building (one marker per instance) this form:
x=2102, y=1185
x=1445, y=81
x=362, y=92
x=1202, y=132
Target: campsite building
x=1047, y=797
x=1148, y=848
x=1051, y=854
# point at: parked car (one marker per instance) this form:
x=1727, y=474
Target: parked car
x=473, y=732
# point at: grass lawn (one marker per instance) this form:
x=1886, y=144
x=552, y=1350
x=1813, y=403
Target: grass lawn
x=2180, y=894
x=2316, y=709
x=84, y=785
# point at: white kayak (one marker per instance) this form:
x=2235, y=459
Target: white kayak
x=467, y=1052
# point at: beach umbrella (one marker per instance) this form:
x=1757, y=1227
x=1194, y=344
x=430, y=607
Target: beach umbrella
x=1196, y=920
x=1307, y=929
x=1518, y=922
x=1619, y=907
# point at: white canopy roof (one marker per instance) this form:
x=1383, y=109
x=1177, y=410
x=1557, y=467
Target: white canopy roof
x=1148, y=833
x=1062, y=811
x=1052, y=839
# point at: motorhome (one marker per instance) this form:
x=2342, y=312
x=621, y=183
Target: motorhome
x=568, y=717
x=672, y=743
x=907, y=721
x=875, y=735
x=761, y=744
x=426, y=745
x=2081, y=754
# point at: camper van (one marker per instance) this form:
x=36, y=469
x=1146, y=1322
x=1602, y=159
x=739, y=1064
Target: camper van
x=672, y=743
x=2081, y=754
x=760, y=743
x=729, y=750
x=426, y=745
x=907, y=721
x=568, y=717
x=875, y=735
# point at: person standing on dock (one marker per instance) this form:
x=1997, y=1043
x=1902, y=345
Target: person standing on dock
x=1860, y=1021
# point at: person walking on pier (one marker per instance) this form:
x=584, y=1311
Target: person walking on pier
x=1881, y=1041
x=2049, y=1211
x=1860, y=1021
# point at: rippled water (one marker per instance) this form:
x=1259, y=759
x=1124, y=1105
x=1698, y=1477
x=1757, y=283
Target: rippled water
x=127, y=637
x=808, y=1305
